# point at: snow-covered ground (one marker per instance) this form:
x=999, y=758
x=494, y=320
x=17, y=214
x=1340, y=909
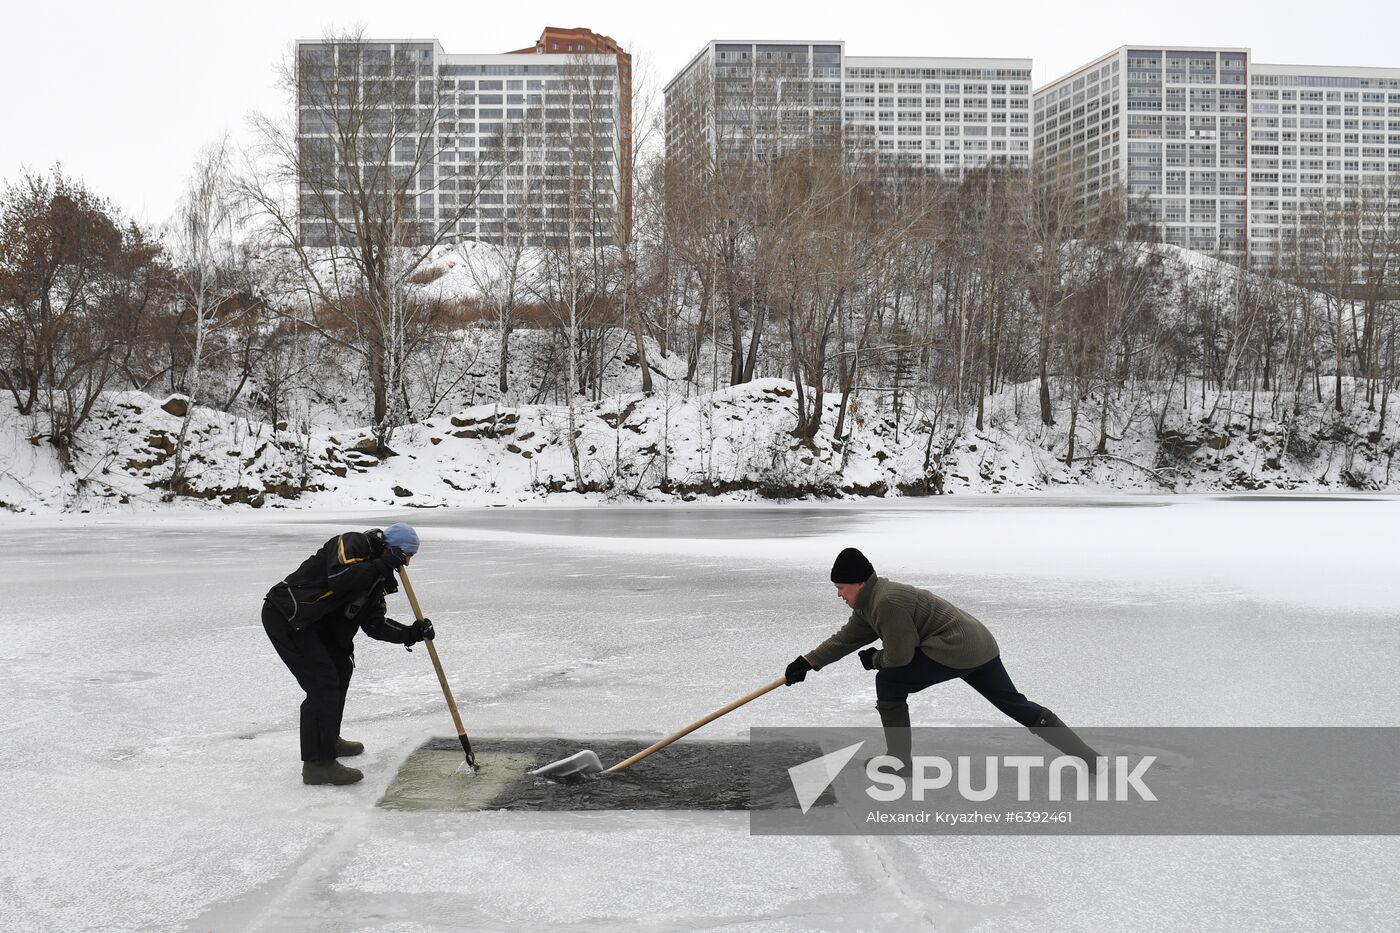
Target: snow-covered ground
x=148, y=755
x=734, y=443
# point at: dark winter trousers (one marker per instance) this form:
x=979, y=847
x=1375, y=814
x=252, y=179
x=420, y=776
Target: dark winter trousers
x=894, y=684
x=323, y=670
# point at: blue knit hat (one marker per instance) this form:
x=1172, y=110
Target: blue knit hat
x=402, y=536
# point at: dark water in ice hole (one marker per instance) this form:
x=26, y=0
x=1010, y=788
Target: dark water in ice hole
x=685, y=776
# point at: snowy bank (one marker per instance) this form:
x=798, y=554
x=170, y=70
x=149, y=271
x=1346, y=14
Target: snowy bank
x=735, y=443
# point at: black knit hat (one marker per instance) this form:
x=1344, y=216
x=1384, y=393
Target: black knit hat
x=851, y=567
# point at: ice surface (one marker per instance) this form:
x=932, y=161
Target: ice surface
x=148, y=752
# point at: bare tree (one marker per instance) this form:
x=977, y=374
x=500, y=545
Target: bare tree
x=636, y=126
x=77, y=289
x=573, y=277
x=353, y=188
x=1050, y=219
x=209, y=269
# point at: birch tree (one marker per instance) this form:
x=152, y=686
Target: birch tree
x=205, y=260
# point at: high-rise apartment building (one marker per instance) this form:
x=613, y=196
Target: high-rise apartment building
x=952, y=114
x=1165, y=127
x=529, y=146
x=1221, y=153
x=1318, y=133
x=754, y=98
x=579, y=41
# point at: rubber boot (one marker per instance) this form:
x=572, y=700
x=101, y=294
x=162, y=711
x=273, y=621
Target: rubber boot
x=344, y=748
x=1053, y=731
x=898, y=739
x=328, y=771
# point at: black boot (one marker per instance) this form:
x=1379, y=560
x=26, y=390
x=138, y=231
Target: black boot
x=328, y=771
x=344, y=748
x=1051, y=729
x=898, y=739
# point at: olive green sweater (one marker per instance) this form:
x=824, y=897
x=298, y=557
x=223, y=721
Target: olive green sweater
x=904, y=618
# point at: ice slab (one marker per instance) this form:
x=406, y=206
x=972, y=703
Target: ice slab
x=685, y=776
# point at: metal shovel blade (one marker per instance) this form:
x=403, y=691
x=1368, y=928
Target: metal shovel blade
x=579, y=766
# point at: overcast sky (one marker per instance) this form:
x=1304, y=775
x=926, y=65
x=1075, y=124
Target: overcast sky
x=126, y=94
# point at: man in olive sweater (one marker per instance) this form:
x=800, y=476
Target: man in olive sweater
x=925, y=640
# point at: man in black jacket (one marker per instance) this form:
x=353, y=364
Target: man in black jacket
x=312, y=617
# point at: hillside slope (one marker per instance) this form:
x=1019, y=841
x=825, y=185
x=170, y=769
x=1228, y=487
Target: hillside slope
x=735, y=443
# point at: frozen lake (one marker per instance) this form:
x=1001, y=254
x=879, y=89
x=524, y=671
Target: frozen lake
x=148, y=761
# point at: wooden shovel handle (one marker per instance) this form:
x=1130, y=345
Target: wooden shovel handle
x=695, y=725
x=432, y=653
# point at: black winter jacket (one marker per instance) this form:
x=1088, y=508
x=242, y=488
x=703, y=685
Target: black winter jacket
x=344, y=584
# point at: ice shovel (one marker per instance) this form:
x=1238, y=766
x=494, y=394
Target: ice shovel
x=585, y=764
x=442, y=678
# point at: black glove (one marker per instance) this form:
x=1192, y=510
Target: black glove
x=797, y=671
x=867, y=659
x=416, y=632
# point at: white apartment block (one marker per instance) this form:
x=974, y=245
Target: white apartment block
x=516, y=138
x=754, y=98
x=751, y=97
x=952, y=114
x=1168, y=127
x=1317, y=132
x=1223, y=154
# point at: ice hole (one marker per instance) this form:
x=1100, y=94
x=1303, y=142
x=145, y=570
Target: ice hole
x=686, y=776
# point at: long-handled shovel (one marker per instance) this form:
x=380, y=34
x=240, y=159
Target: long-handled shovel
x=442, y=678
x=586, y=764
